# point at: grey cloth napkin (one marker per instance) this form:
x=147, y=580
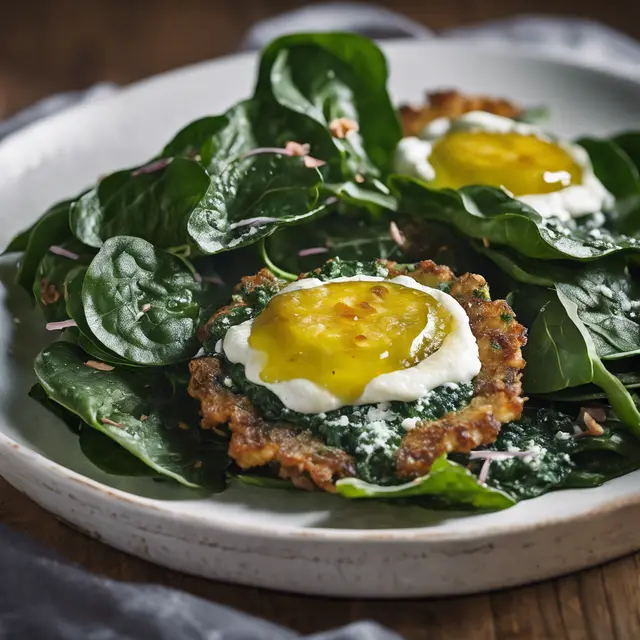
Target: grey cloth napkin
x=42, y=597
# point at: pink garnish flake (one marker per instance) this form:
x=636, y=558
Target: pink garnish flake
x=313, y=163
x=500, y=455
x=152, y=167
x=491, y=456
x=342, y=127
x=111, y=422
x=396, y=234
x=312, y=251
x=62, y=324
x=65, y=253
x=145, y=307
x=484, y=472
x=296, y=149
x=100, y=366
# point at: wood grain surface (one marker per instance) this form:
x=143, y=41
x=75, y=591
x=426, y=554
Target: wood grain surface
x=56, y=45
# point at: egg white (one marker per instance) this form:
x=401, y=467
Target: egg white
x=456, y=361
x=412, y=158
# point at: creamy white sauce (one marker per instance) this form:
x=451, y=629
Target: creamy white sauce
x=456, y=361
x=412, y=158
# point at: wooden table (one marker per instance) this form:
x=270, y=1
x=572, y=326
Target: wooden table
x=48, y=46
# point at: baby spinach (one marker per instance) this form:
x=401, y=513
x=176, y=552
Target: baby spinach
x=127, y=407
x=612, y=166
x=104, y=453
x=326, y=76
x=452, y=484
x=560, y=352
x=606, y=295
x=489, y=214
x=189, y=141
x=351, y=237
x=251, y=199
x=52, y=228
x=75, y=310
x=48, y=285
x=140, y=302
x=629, y=142
x=155, y=206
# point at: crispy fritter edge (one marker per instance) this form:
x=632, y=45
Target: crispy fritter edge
x=497, y=388
x=451, y=104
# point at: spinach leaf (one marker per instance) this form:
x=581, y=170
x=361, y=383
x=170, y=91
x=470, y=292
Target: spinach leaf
x=351, y=237
x=48, y=285
x=75, y=310
x=251, y=199
x=52, y=228
x=20, y=242
x=140, y=302
x=560, y=352
x=451, y=483
x=606, y=295
x=127, y=407
x=613, y=167
x=155, y=206
x=629, y=142
x=103, y=452
x=487, y=213
x=325, y=76
x=190, y=140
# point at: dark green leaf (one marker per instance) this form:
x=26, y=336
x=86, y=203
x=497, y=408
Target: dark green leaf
x=490, y=214
x=155, y=206
x=140, y=302
x=613, y=167
x=447, y=481
x=629, y=142
x=75, y=310
x=606, y=295
x=188, y=142
x=325, y=76
x=20, y=242
x=126, y=406
x=48, y=286
x=251, y=199
x=52, y=228
x=560, y=352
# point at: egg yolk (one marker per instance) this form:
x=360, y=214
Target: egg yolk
x=342, y=335
x=523, y=164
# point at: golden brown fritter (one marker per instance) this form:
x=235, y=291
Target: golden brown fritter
x=301, y=458
x=451, y=104
x=497, y=387
x=305, y=459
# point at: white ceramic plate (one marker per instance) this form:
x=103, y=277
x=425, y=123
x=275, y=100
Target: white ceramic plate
x=309, y=543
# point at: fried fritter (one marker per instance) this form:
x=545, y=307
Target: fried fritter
x=451, y=104
x=309, y=463
x=302, y=458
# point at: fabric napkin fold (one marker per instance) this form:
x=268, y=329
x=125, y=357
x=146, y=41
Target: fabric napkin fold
x=43, y=597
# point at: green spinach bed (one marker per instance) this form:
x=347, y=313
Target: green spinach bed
x=126, y=273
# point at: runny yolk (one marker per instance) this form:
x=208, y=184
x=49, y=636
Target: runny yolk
x=523, y=164
x=342, y=335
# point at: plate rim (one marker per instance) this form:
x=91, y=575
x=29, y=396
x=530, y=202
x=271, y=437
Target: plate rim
x=40, y=464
